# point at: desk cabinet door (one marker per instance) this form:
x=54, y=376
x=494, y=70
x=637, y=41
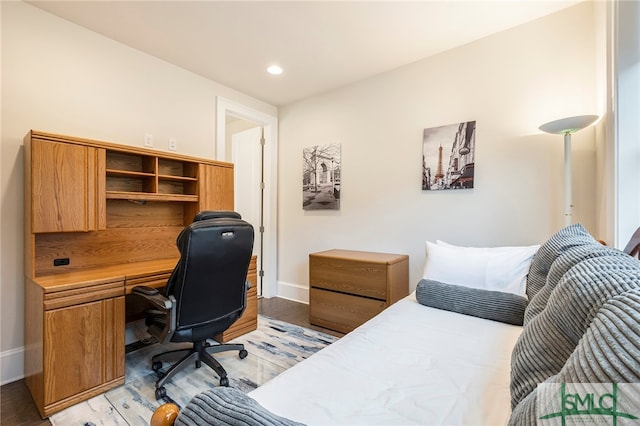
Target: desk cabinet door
x=84, y=347
x=216, y=188
x=65, y=187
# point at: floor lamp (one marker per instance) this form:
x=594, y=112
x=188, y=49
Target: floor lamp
x=567, y=126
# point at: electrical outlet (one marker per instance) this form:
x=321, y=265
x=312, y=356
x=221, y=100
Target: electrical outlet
x=173, y=144
x=148, y=140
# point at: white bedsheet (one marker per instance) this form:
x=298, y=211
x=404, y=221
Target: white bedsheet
x=409, y=365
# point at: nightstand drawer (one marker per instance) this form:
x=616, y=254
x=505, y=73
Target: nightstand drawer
x=341, y=312
x=348, y=276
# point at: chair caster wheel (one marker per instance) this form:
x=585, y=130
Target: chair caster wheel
x=161, y=392
x=243, y=353
x=224, y=382
x=156, y=366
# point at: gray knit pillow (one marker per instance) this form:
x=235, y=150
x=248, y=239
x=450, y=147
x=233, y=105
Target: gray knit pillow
x=570, y=236
x=488, y=304
x=563, y=263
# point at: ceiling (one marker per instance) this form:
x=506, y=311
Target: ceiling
x=321, y=45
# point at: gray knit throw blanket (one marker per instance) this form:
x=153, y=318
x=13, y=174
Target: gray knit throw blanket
x=228, y=407
x=582, y=326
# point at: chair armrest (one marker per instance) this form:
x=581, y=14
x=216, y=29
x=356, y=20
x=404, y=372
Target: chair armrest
x=143, y=289
x=153, y=296
x=161, y=330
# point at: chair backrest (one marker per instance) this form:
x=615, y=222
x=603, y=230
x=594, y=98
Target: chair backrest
x=633, y=246
x=214, y=214
x=208, y=282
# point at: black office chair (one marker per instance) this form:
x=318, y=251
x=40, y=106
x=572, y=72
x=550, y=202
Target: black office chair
x=205, y=295
x=633, y=246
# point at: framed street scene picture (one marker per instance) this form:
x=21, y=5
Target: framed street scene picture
x=448, y=156
x=321, y=182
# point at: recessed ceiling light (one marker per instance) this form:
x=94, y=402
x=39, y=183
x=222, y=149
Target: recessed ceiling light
x=274, y=69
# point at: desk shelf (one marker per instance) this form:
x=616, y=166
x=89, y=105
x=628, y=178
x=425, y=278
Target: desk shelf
x=146, y=174
x=148, y=196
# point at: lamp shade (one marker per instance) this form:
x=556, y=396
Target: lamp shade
x=568, y=125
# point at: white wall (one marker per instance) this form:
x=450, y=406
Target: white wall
x=511, y=83
x=59, y=77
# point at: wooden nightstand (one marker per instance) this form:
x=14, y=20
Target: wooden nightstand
x=347, y=288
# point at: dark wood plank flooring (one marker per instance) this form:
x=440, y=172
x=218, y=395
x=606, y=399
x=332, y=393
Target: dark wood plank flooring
x=18, y=409
x=291, y=312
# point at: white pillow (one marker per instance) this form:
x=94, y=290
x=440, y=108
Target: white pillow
x=502, y=269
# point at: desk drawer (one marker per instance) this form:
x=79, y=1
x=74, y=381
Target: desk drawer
x=341, y=312
x=155, y=281
x=78, y=296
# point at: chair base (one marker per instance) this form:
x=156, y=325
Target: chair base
x=200, y=352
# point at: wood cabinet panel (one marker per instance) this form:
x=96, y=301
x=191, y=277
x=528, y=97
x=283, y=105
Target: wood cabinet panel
x=216, y=188
x=125, y=214
x=60, y=187
x=33, y=337
x=341, y=312
x=344, y=275
x=109, y=247
x=83, y=353
x=113, y=345
x=72, y=297
x=73, y=352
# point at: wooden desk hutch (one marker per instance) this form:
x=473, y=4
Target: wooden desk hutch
x=101, y=218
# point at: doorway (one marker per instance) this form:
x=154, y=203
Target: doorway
x=238, y=139
x=247, y=156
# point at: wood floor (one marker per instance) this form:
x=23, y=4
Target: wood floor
x=17, y=407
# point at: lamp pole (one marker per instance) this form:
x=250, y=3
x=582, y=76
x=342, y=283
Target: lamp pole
x=567, y=179
x=567, y=126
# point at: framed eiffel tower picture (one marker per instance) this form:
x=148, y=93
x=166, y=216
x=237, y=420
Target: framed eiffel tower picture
x=448, y=154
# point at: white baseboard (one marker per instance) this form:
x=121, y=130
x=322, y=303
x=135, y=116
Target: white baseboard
x=11, y=365
x=295, y=292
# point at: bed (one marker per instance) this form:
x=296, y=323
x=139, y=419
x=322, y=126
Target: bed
x=434, y=358
x=412, y=364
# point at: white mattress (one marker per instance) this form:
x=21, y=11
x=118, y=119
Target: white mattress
x=409, y=365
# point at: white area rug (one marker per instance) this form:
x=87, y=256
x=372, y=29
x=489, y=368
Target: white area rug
x=273, y=347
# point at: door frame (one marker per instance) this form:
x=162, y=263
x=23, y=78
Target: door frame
x=226, y=107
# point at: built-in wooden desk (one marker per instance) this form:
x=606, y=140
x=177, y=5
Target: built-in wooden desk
x=75, y=345
x=100, y=219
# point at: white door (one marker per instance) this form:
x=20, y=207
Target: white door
x=246, y=154
x=226, y=109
